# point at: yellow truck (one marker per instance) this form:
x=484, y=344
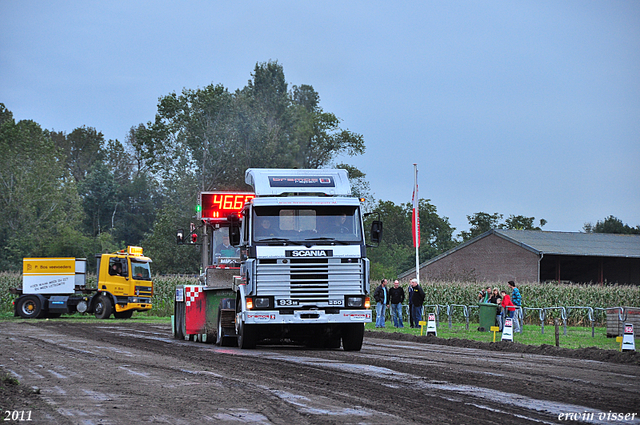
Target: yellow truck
x=55, y=286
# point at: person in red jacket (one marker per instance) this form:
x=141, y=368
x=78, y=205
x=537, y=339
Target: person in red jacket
x=508, y=309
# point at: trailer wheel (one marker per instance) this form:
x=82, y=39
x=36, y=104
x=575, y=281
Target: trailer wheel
x=221, y=339
x=30, y=307
x=352, y=337
x=103, y=307
x=246, y=336
x=123, y=314
x=179, y=324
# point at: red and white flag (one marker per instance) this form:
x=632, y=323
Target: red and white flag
x=415, y=215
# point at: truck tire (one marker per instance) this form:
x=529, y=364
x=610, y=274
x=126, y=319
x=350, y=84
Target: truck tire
x=123, y=314
x=103, y=307
x=332, y=342
x=352, y=337
x=30, y=307
x=246, y=336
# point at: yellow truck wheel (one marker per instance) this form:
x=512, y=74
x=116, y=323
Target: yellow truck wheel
x=103, y=307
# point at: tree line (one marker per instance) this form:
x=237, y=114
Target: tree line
x=77, y=194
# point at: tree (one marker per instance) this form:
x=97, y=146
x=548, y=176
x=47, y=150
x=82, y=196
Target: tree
x=205, y=139
x=482, y=222
x=39, y=203
x=360, y=187
x=611, y=224
x=396, y=253
x=81, y=149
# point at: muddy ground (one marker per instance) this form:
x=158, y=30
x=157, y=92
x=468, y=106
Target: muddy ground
x=130, y=372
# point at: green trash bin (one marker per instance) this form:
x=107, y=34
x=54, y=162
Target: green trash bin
x=487, y=313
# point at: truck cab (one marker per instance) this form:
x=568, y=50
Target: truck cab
x=124, y=283
x=304, y=273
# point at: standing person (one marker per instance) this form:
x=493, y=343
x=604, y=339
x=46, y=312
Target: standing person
x=484, y=295
x=507, y=307
x=417, y=299
x=381, y=295
x=396, y=295
x=495, y=299
x=516, y=299
x=410, y=304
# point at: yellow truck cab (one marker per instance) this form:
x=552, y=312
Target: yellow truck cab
x=124, y=283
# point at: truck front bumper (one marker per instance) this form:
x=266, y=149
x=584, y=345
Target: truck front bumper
x=133, y=306
x=274, y=317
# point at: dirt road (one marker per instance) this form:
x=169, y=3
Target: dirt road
x=127, y=372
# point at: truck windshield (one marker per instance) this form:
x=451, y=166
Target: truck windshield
x=140, y=270
x=305, y=223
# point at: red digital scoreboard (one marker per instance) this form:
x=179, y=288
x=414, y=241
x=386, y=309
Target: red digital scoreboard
x=217, y=206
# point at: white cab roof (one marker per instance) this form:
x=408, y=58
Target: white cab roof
x=279, y=181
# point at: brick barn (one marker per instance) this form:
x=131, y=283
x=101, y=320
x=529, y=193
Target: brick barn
x=538, y=256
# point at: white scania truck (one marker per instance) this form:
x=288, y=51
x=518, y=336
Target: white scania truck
x=303, y=276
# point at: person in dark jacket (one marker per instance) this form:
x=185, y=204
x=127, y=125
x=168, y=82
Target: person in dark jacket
x=381, y=295
x=496, y=299
x=417, y=300
x=396, y=294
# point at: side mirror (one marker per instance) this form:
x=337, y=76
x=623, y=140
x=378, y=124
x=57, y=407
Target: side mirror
x=376, y=231
x=180, y=237
x=234, y=229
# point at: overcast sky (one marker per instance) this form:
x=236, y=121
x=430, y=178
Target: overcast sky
x=516, y=107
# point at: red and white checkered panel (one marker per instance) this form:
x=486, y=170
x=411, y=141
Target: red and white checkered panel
x=191, y=293
x=195, y=310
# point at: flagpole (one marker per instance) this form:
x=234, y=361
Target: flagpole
x=416, y=224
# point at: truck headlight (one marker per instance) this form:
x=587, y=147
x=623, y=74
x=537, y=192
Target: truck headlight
x=261, y=302
x=356, y=302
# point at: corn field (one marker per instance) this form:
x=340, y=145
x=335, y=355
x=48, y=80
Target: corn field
x=534, y=295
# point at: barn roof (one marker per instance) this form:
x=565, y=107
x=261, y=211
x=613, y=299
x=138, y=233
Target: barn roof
x=573, y=243
x=558, y=243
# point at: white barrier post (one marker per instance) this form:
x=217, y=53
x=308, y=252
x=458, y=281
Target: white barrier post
x=431, y=325
x=507, y=330
x=628, y=338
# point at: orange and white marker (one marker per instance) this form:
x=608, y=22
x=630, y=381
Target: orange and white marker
x=628, y=338
x=431, y=325
x=507, y=330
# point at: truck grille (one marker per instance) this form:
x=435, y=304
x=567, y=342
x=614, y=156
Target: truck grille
x=310, y=281
x=144, y=291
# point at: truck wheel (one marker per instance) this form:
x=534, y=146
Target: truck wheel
x=103, y=307
x=352, y=337
x=123, y=314
x=332, y=342
x=30, y=308
x=246, y=336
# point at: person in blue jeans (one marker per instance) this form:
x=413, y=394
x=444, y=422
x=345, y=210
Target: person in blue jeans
x=516, y=299
x=381, y=295
x=417, y=299
x=396, y=294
